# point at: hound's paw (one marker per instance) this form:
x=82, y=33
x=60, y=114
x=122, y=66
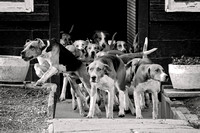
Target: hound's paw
x=110, y=116
x=121, y=115
x=89, y=116
x=62, y=97
x=82, y=114
x=139, y=117
x=74, y=105
x=154, y=116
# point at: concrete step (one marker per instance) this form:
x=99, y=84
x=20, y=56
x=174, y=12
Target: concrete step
x=68, y=120
x=122, y=126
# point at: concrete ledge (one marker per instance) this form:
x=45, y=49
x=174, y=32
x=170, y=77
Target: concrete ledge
x=121, y=125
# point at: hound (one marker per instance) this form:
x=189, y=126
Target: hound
x=60, y=60
x=81, y=46
x=92, y=50
x=101, y=38
x=147, y=77
x=107, y=73
x=123, y=46
x=66, y=38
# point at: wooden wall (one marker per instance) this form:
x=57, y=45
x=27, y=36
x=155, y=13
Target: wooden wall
x=15, y=28
x=131, y=20
x=174, y=34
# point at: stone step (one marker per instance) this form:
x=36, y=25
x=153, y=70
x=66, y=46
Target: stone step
x=121, y=126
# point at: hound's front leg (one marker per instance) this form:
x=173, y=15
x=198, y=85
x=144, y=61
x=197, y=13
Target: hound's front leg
x=93, y=97
x=50, y=72
x=64, y=87
x=110, y=103
x=121, y=104
x=155, y=105
x=137, y=104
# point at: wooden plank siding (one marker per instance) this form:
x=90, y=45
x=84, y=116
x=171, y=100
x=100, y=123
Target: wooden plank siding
x=174, y=34
x=16, y=27
x=131, y=20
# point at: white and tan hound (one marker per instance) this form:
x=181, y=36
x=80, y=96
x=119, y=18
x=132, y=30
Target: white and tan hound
x=147, y=78
x=108, y=73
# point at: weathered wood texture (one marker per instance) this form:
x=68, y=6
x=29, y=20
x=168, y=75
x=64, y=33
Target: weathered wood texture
x=41, y=13
x=143, y=20
x=131, y=20
x=174, y=34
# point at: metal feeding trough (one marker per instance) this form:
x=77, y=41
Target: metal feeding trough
x=13, y=69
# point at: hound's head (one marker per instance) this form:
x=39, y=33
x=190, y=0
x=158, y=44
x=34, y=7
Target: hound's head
x=156, y=72
x=122, y=46
x=100, y=38
x=92, y=50
x=80, y=44
x=65, y=39
x=97, y=70
x=32, y=49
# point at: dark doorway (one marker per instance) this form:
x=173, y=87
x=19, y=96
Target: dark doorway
x=88, y=16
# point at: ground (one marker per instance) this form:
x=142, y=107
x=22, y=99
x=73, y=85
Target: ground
x=193, y=105
x=23, y=110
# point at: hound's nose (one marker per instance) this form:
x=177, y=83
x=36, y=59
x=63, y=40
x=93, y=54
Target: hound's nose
x=93, y=78
x=92, y=54
x=103, y=45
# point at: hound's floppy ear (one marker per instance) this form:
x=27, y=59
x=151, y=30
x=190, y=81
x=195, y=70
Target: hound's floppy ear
x=148, y=72
x=107, y=68
x=87, y=68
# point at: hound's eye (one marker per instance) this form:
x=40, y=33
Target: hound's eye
x=91, y=69
x=157, y=70
x=98, y=69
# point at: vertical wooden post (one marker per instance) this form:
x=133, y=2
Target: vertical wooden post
x=143, y=20
x=54, y=31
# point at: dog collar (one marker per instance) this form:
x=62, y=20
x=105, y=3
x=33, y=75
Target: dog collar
x=46, y=43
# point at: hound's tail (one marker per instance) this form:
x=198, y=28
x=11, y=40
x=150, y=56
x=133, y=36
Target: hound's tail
x=112, y=44
x=129, y=56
